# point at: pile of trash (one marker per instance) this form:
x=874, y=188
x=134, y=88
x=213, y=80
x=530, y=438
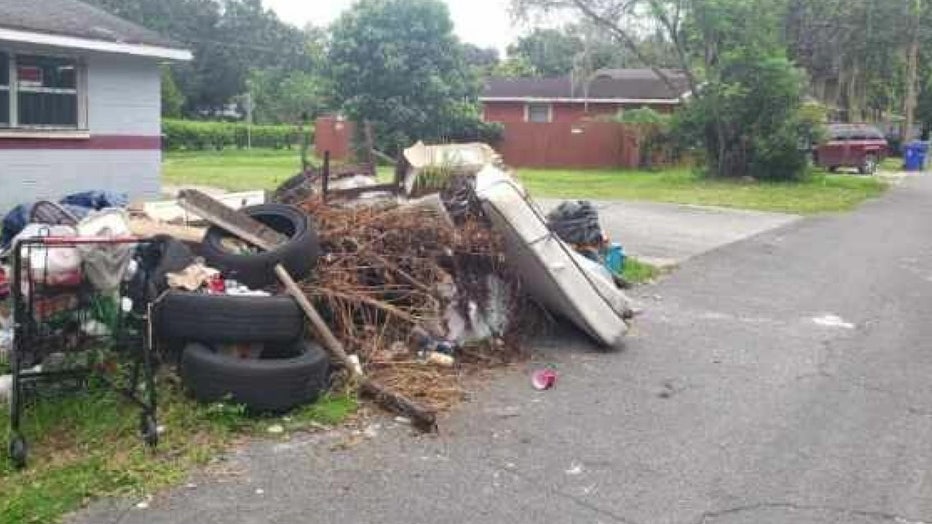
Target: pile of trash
x=416, y=296
x=406, y=289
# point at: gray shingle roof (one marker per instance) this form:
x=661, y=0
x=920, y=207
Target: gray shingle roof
x=606, y=84
x=74, y=18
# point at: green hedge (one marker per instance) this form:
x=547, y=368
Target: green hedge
x=199, y=135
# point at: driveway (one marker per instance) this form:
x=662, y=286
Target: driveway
x=785, y=378
x=669, y=234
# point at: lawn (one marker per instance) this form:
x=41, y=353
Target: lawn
x=821, y=192
x=236, y=170
x=87, y=446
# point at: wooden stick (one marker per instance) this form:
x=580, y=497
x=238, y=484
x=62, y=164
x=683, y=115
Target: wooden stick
x=421, y=417
x=317, y=322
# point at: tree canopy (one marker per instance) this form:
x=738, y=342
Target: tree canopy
x=228, y=37
x=397, y=64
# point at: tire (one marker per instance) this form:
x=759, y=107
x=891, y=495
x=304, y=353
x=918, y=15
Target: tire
x=298, y=255
x=18, y=451
x=868, y=165
x=149, y=430
x=181, y=315
x=265, y=385
x=832, y=169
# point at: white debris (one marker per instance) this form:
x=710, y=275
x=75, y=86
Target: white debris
x=6, y=386
x=144, y=503
x=403, y=420
x=575, y=469
x=833, y=321
x=260, y=491
x=276, y=429
x=357, y=365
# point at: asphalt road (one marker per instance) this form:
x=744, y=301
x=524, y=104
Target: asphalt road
x=669, y=234
x=783, y=379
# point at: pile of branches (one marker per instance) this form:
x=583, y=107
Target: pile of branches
x=391, y=272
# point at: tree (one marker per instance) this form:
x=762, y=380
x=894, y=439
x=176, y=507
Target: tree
x=647, y=126
x=725, y=48
x=228, y=37
x=550, y=52
x=481, y=59
x=397, y=64
x=514, y=67
x=282, y=96
x=576, y=48
x=172, y=98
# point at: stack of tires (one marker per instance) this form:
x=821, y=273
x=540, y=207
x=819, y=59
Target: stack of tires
x=290, y=369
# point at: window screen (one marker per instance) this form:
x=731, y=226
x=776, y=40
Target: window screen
x=47, y=93
x=538, y=113
x=4, y=90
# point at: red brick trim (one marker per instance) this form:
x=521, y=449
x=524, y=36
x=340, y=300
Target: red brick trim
x=97, y=142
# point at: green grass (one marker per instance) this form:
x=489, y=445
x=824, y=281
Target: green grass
x=637, y=272
x=237, y=169
x=891, y=164
x=87, y=446
x=821, y=192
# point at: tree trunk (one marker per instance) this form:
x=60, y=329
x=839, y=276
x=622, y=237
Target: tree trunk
x=912, y=74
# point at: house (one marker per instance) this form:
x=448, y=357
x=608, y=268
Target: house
x=80, y=101
x=562, y=99
x=554, y=122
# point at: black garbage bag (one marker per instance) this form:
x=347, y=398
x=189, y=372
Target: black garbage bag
x=576, y=222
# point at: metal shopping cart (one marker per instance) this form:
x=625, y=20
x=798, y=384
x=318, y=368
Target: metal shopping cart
x=80, y=312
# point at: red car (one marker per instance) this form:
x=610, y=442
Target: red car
x=859, y=146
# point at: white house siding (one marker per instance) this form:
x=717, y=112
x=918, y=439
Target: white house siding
x=124, y=95
x=122, y=154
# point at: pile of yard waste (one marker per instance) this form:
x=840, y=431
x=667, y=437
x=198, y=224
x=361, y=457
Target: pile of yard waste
x=400, y=289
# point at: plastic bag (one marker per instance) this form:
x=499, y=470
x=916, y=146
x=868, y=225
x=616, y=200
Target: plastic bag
x=55, y=266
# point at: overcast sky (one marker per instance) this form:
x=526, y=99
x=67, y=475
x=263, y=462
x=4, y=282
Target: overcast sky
x=485, y=23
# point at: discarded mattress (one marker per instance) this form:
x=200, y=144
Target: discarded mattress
x=554, y=274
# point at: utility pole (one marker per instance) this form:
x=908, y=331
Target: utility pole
x=912, y=73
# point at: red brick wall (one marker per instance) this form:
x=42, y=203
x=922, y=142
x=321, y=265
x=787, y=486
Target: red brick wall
x=503, y=111
x=334, y=135
x=585, y=144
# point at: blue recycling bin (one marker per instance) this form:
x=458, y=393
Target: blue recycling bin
x=914, y=155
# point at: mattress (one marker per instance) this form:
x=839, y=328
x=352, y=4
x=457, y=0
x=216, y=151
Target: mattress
x=560, y=279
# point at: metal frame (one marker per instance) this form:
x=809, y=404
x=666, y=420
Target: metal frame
x=31, y=343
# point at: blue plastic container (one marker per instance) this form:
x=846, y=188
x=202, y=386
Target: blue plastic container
x=914, y=155
x=614, y=258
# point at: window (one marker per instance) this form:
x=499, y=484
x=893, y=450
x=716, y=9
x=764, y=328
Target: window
x=540, y=113
x=4, y=90
x=39, y=92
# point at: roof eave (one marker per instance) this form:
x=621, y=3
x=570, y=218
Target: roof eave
x=531, y=99
x=88, y=44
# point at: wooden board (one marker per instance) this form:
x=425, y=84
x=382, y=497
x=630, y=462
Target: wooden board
x=237, y=223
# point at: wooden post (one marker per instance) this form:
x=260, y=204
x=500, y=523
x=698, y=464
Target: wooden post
x=370, y=146
x=325, y=175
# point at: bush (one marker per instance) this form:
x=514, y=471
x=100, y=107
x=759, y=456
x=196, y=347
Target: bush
x=750, y=122
x=199, y=135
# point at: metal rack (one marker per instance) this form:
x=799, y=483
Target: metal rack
x=58, y=341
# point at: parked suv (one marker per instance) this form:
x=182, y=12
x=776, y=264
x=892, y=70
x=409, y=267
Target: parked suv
x=860, y=146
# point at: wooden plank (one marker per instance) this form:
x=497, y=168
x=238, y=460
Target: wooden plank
x=237, y=223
